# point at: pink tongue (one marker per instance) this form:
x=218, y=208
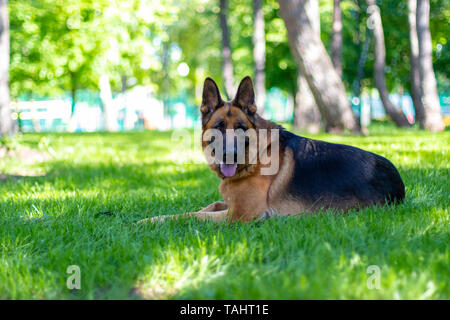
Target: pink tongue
x=228, y=170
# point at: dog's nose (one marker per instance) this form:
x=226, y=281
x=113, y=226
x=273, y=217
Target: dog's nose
x=230, y=153
x=230, y=150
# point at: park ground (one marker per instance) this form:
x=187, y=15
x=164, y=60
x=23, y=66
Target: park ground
x=52, y=216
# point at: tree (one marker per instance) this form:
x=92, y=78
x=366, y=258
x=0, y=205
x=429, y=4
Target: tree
x=336, y=38
x=259, y=55
x=6, y=123
x=58, y=49
x=357, y=83
x=306, y=112
x=414, y=61
x=314, y=62
x=380, y=64
x=54, y=46
x=226, y=49
x=109, y=110
x=433, y=118
x=281, y=67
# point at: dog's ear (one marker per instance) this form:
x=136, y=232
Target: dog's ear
x=245, y=96
x=211, y=99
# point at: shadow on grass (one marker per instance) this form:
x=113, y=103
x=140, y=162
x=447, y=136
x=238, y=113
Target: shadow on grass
x=145, y=190
x=159, y=178
x=156, y=188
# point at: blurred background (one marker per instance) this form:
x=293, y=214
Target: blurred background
x=328, y=65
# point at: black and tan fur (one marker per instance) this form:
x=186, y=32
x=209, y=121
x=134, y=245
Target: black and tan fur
x=313, y=175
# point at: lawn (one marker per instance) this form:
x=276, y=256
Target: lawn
x=50, y=218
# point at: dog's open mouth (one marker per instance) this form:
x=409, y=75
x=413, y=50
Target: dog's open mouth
x=228, y=170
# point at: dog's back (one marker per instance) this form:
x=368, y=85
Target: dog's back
x=328, y=175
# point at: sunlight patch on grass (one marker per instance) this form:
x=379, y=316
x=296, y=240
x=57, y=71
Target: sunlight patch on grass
x=177, y=272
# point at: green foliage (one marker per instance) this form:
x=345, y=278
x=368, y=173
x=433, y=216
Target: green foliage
x=8, y=143
x=58, y=46
x=281, y=68
x=440, y=29
x=394, y=15
x=51, y=222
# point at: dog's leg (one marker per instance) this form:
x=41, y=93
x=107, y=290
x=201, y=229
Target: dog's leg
x=216, y=216
x=216, y=211
x=215, y=206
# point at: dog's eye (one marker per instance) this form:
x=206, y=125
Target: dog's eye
x=219, y=125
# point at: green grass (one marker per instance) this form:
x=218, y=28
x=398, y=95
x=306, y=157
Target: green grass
x=49, y=223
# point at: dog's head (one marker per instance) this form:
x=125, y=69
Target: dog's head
x=227, y=125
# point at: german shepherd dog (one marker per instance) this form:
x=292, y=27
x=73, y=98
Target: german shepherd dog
x=310, y=175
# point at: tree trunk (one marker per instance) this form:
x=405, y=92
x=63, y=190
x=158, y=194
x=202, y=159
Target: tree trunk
x=165, y=86
x=306, y=112
x=315, y=64
x=6, y=122
x=375, y=24
x=414, y=62
x=73, y=96
x=364, y=112
x=19, y=120
x=433, y=117
x=336, y=38
x=361, y=63
x=109, y=111
x=72, y=125
x=226, y=50
x=259, y=56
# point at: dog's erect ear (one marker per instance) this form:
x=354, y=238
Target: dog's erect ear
x=211, y=99
x=245, y=96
